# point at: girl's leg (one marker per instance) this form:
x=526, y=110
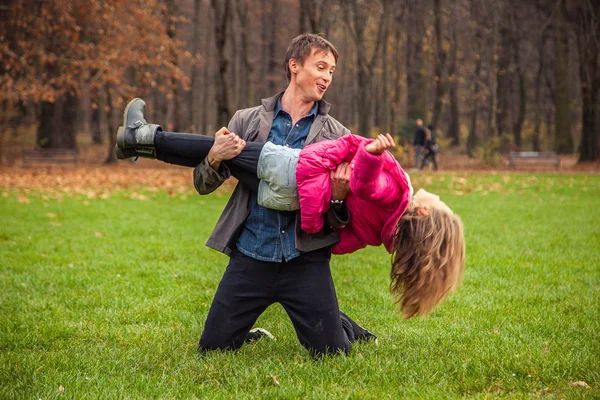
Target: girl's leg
x=189, y=150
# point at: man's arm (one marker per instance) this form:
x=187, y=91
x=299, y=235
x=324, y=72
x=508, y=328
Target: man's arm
x=211, y=172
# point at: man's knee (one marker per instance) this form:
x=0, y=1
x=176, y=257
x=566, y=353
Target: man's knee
x=211, y=341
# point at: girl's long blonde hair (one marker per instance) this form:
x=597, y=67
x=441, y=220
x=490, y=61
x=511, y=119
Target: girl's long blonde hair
x=428, y=259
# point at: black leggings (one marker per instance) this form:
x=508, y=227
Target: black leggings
x=189, y=150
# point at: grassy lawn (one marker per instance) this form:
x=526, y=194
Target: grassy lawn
x=106, y=297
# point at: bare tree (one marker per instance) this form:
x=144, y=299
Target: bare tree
x=587, y=23
x=440, y=65
x=563, y=138
x=454, y=127
x=357, y=16
x=416, y=75
x=221, y=22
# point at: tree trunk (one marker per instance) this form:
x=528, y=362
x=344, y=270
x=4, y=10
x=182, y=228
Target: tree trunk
x=502, y=73
x=96, y=128
x=272, y=63
x=50, y=124
x=68, y=137
x=385, y=107
x=563, y=139
x=302, y=26
x=522, y=84
x=537, y=125
x=246, y=94
x=472, y=138
x=492, y=68
x=587, y=27
x=416, y=78
x=440, y=66
x=360, y=15
x=221, y=21
x=173, y=11
x=111, y=156
x=205, y=126
x=454, y=128
x=398, y=15
x=193, y=95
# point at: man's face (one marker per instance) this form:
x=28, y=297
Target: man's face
x=419, y=123
x=314, y=77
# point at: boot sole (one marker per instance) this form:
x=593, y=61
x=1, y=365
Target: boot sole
x=123, y=154
x=121, y=129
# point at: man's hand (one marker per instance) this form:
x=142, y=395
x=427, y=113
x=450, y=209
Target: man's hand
x=227, y=145
x=340, y=181
x=380, y=144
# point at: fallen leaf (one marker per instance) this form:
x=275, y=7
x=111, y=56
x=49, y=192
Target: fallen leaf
x=580, y=384
x=98, y=234
x=61, y=389
x=275, y=379
x=348, y=281
x=51, y=215
x=542, y=392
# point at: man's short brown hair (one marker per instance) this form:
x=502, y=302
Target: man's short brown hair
x=301, y=47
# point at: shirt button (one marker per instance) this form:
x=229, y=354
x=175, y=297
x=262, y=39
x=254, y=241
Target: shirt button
x=287, y=145
x=297, y=125
x=283, y=231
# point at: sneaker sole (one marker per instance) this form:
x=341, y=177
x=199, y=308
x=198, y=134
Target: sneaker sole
x=121, y=129
x=264, y=332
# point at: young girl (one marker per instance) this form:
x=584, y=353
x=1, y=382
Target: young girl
x=425, y=237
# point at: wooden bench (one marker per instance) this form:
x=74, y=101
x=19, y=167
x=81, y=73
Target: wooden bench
x=533, y=158
x=49, y=156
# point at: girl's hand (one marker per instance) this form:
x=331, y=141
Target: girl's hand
x=380, y=144
x=340, y=181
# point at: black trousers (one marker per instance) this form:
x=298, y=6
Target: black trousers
x=430, y=155
x=189, y=150
x=303, y=286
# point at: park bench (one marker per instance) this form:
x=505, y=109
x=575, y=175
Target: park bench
x=49, y=156
x=533, y=158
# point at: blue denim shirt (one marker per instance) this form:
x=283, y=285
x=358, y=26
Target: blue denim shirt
x=270, y=235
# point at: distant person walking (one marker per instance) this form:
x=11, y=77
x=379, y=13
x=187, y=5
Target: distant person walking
x=430, y=148
x=419, y=142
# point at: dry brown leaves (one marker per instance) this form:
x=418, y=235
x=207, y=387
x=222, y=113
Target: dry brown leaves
x=99, y=181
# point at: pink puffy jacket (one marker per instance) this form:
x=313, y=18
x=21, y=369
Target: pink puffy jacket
x=380, y=192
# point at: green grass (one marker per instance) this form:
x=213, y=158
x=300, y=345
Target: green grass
x=107, y=297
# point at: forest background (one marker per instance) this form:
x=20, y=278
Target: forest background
x=490, y=75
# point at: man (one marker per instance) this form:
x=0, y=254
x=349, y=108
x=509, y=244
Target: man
x=271, y=259
x=419, y=142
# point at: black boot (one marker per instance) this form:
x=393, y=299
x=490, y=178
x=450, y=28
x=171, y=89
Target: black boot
x=136, y=133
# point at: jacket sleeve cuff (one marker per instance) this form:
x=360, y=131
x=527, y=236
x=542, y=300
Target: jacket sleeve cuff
x=207, y=179
x=367, y=166
x=338, y=218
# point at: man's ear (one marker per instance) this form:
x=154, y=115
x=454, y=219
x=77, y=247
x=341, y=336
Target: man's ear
x=293, y=64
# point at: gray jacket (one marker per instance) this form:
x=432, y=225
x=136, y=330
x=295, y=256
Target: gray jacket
x=254, y=125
